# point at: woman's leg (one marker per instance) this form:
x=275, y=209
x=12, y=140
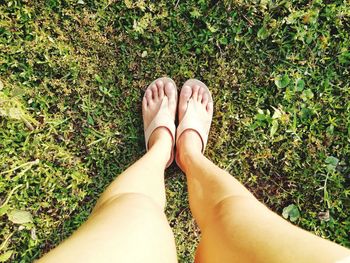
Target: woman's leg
x=128, y=223
x=235, y=226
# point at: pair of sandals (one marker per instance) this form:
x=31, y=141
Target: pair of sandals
x=191, y=118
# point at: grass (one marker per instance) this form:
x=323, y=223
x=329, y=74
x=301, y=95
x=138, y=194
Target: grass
x=73, y=73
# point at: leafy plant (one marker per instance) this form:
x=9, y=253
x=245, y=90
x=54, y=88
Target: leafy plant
x=291, y=212
x=72, y=75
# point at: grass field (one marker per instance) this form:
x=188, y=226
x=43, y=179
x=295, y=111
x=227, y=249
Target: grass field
x=72, y=77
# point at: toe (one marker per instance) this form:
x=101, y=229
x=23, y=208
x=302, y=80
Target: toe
x=160, y=91
x=205, y=98
x=185, y=95
x=154, y=90
x=210, y=107
x=200, y=94
x=195, y=90
x=144, y=103
x=160, y=85
x=170, y=91
x=148, y=96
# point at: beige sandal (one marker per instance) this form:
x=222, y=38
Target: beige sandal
x=189, y=123
x=162, y=119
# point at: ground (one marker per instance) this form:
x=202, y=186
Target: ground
x=73, y=74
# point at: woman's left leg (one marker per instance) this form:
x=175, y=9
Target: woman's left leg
x=128, y=223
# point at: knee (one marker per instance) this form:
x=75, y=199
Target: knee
x=233, y=208
x=233, y=202
x=137, y=208
x=134, y=202
x=138, y=200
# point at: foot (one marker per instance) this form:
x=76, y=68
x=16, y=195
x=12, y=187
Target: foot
x=160, y=97
x=201, y=104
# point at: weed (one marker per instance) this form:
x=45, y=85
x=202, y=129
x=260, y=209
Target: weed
x=73, y=72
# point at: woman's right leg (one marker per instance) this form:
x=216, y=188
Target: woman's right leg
x=235, y=225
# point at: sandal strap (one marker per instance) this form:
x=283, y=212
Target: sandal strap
x=189, y=123
x=161, y=119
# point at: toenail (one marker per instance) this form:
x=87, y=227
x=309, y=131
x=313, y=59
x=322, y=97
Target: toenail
x=159, y=82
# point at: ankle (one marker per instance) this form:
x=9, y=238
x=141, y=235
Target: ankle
x=189, y=143
x=188, y=148
x=160, y=136
x=186, y=159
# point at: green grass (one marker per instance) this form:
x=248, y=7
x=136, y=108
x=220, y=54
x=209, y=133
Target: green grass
x=73, y=74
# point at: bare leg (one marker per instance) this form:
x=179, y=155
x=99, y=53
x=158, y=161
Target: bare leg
x=128, y=223
x=235, y=226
